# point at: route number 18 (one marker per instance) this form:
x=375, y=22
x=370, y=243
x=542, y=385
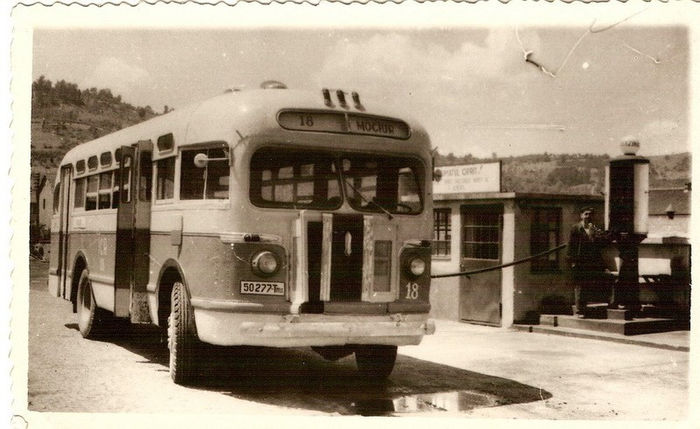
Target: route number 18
x=306, y=120
x=411, y=290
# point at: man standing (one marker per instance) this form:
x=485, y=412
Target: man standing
x=584, y=255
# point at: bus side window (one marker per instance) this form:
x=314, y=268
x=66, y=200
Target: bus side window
x=217, y=176
x=105, y=192
x=165, y=179
x=115, y=190
x=210, y=182
x=79, y=200
x=145, y=176
x=91, y=200
x=125, y=192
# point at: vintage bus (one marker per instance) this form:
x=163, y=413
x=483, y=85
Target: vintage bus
x=264, y=217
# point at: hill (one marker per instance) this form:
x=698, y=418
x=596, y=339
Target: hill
x=64, y=116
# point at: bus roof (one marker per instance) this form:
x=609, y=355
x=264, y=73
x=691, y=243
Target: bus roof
x=213, y=119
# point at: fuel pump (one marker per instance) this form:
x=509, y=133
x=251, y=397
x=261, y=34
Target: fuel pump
x=626, y=218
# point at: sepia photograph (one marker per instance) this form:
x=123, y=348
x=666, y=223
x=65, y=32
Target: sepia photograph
x=383, y=210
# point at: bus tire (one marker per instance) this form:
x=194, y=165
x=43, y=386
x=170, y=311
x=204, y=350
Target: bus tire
x=375, y=361
x=91, y=320
x=182, y=337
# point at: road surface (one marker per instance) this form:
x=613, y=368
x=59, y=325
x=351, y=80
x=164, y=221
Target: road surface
x=463, y=370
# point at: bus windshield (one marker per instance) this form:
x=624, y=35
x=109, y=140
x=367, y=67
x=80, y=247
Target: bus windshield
x=372, y=183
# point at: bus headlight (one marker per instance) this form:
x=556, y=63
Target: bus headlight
x=416, y=266
x=265, y=263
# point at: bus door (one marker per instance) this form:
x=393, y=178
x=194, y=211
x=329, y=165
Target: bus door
x=64, y=223
x=131, y=267
x=481, y=247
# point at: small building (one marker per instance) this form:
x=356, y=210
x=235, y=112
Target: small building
x=40, y=208
x=484, y=229
x=476, y=226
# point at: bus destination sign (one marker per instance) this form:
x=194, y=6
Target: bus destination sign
x=332, y=122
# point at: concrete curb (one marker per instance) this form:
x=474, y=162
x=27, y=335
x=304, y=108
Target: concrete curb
x=578, y=333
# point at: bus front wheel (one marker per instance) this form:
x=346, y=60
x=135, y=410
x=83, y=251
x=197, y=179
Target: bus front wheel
x=91, y=319
x=182, y=337
x=375, y=361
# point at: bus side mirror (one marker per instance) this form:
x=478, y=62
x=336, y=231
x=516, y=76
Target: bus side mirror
x=201, y=160
x=437, y=175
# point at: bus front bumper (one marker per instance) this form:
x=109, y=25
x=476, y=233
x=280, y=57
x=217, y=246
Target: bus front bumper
x=270, y=330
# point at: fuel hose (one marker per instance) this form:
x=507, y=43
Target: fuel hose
x=498, y=267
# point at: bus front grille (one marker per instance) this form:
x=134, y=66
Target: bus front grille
x=342, y=242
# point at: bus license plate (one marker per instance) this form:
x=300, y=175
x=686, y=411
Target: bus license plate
x=262, y=288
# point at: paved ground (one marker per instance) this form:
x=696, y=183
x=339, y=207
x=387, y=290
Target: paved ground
x=463, y=370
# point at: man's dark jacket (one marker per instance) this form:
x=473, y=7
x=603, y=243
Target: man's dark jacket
x=584, y=250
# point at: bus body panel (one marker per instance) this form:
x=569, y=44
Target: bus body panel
x=100, y=245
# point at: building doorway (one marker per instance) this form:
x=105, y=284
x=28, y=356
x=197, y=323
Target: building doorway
x=481, y=247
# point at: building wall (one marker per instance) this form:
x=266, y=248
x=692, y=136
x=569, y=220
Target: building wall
x=46, y=205
x=444, y=292
x=535, y=292
x=509, y=254
x=662, y=226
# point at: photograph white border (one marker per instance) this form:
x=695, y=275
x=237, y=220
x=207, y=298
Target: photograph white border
x=245, y=15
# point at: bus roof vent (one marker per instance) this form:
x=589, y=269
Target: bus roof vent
x=273, y=84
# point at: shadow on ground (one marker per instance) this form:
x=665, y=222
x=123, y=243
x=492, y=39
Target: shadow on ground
x=299, y=378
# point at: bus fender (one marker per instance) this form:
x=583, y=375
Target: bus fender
x=76, y=269
x=159, y=306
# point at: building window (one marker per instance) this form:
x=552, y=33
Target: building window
x=545, y=234
x=442, y=232
x=481, y=234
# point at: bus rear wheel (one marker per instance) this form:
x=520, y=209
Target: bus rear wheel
x=375, y=361
x=92, y=321
x=182, y=336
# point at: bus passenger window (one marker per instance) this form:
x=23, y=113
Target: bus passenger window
x=165, y=179
x=125, y=192
x=79, y=200
x=105, y=192
x=115, y=190
x=91, y=200
x=145, y=176
x=210, y=182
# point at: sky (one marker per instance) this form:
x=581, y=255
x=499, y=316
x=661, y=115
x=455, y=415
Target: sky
x=470, y=87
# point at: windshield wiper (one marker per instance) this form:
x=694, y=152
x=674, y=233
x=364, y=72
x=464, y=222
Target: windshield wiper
x=376, y=204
